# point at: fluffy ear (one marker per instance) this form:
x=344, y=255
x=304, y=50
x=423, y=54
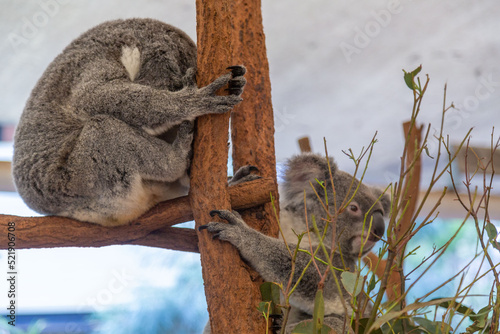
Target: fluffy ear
x=385, y=200
x=305, y=168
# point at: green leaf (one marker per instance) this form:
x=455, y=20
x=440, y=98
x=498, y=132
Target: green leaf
x=351, y=283
x=400, y=325
x=429, y=326
x=410, y=77
x=362, y=327
x=263, y=307
x=319, y=311
x=481, y=317
x=457, y=307
x=426, y=149
x=492, y=234
x=271, y=293
x=492, y=231
x=306, y=327
x=371, y=284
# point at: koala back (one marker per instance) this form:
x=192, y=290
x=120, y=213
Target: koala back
x=55, y=114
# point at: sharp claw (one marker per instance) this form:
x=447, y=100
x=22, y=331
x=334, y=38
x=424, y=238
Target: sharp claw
x=234, y=91
x=202, y=227
x=237, y=70
x=213, y=213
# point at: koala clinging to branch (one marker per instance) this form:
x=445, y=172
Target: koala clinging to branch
x=107, y=131
x=270, y=256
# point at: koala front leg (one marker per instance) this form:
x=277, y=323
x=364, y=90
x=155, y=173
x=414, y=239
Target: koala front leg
x=268, y=256
x=152, y=109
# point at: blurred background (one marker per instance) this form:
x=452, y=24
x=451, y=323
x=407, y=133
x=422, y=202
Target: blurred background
x=336, y=73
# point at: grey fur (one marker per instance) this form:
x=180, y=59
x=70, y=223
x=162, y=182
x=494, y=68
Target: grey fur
x=107, y=131
x=270, y=257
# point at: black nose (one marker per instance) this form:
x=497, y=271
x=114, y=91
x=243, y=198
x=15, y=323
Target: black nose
x=378, y=226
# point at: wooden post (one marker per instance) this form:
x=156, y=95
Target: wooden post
x=231, y=295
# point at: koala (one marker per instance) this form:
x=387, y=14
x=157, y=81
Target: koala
x=107, y=131
x=270, y=257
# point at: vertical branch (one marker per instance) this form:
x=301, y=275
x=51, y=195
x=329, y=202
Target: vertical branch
x=228, y=286
x=252, y=121
x=410, y=198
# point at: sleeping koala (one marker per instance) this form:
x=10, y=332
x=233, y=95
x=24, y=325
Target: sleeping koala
x=107, y=131
x=270, y=257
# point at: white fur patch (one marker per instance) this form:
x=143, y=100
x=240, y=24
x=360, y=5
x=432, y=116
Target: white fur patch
x=163, y=128
x=131, y=59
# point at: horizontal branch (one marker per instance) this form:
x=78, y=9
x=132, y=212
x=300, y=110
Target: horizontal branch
x=151, y=229
x=175, y=238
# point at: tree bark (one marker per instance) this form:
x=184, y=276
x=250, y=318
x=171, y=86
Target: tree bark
x=231, y=295
x=252, y=121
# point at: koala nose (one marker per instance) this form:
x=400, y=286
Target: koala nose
x=378, y=226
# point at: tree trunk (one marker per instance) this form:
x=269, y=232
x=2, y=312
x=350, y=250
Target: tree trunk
x=252, y=121
x=231, y=295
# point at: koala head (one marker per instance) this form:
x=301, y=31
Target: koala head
x=360, y=223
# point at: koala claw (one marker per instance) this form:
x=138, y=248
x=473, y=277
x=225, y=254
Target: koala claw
x=236, y=84
x=202, y=227
x=244, y=174
x=213, y=213
x=237, y=70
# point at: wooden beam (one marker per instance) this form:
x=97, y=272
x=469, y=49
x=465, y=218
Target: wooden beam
x=305, y=144
x=52, y=231
x=473, y=157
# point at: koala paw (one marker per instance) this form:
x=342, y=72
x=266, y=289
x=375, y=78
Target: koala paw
x=231, y=231
x=184, y=139
x=221, y=104
x=189, y=79
x=238, y=81
x=185, y=133
x=244, y=174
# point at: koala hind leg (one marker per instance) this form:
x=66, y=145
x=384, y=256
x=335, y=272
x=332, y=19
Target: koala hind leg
x=145, y=170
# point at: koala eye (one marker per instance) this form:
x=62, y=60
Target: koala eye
x=353, y=207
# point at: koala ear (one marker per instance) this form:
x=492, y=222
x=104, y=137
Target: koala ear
x=305, y=168
x=385, y=200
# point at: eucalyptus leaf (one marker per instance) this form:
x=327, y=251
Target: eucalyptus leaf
x=410, y=76
x=351, y=283
x=319, y=311
x=492, y=231
x=263, y=307
x=429, y=326
x=371, y=284
x=271, y=293
x=457, y=307
x=362, y=327
x=306, y=327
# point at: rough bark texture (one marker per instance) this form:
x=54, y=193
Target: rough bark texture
x=152, y=229
x=252, y=121
x=231, y=295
